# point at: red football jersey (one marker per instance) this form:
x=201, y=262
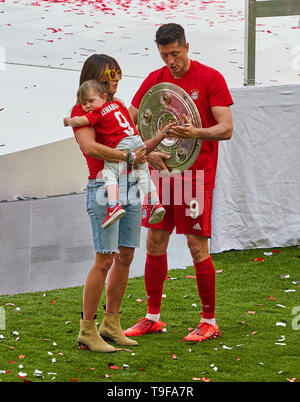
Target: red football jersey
x=207, y=88
x=112, y=122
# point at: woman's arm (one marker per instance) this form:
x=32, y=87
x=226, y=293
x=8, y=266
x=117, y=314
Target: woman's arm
x=86, y=138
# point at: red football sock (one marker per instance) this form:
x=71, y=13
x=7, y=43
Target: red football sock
x=156, y=269
x=205, y=277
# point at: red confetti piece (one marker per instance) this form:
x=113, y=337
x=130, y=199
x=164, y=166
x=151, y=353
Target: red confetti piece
x=272, y=298
x=139, y=300
x=251, y=312
x=174, y=357
x=292, y=379
x=259, y=259
x=114, y=367
x=191, y=277
x=74, y=379
x=275, y=251
x=11, y=362
x=205, y=379
x=55, y=30
x=21, y=356
x=52, y=301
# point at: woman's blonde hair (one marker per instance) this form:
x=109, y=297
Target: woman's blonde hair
x=98, y=88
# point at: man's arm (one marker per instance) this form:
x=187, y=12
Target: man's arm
x=221, y=131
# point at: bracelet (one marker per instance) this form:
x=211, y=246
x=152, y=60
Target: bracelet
x=124, y=156
x=133, y=157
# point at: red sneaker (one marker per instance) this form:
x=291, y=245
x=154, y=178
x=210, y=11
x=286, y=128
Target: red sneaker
x=157, y=213
x=144, y=326
x=203, y=331
x=113, y=215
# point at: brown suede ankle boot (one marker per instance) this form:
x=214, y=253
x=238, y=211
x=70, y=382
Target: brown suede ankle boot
x=89, y=338
x=110, y=329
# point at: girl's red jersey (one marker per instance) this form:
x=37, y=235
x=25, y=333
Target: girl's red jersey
x=111, y=122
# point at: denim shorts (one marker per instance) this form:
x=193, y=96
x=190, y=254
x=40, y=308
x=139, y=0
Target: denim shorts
x=126, y=231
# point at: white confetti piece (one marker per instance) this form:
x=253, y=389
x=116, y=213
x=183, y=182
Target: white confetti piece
x=290, y=290
x=20, y=374
x=53, y=360
x=194, y=305
x=268, y=253
x=280, y=324
x=280, y=305
x=280, y=344
x=284, y=276
x=226, y=347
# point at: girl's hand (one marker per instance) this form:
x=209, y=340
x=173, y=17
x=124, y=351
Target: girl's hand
x=66, y=121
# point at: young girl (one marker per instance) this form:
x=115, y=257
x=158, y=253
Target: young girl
x=115, y=129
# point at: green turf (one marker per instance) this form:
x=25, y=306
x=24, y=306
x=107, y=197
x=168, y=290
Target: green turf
x=247, y=351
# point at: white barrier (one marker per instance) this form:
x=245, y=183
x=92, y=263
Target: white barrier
x=46, y=243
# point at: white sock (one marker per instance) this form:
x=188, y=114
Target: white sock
x=153, y=317
x=211, y=321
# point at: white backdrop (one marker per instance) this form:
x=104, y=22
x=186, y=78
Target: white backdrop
x=257, y=195
x=46, y=243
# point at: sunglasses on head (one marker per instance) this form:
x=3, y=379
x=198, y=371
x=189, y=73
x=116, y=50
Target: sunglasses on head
x=113, y=74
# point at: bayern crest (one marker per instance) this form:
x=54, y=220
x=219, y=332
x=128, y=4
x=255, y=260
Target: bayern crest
x=195, y=94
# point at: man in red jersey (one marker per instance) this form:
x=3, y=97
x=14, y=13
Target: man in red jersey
x=209, y=91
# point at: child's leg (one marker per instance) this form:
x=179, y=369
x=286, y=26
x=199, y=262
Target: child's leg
x=111, y=172
x=145, y=182
x=114, y=210
x=112, y=194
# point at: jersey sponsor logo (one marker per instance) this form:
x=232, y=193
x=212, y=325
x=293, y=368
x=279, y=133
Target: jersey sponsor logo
x=109, y=108
x=195, y=94
x=197, y=226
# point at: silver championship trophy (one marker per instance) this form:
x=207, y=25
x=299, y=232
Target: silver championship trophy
x=166, y=103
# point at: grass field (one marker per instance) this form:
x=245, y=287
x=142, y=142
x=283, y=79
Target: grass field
x=257, y=309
